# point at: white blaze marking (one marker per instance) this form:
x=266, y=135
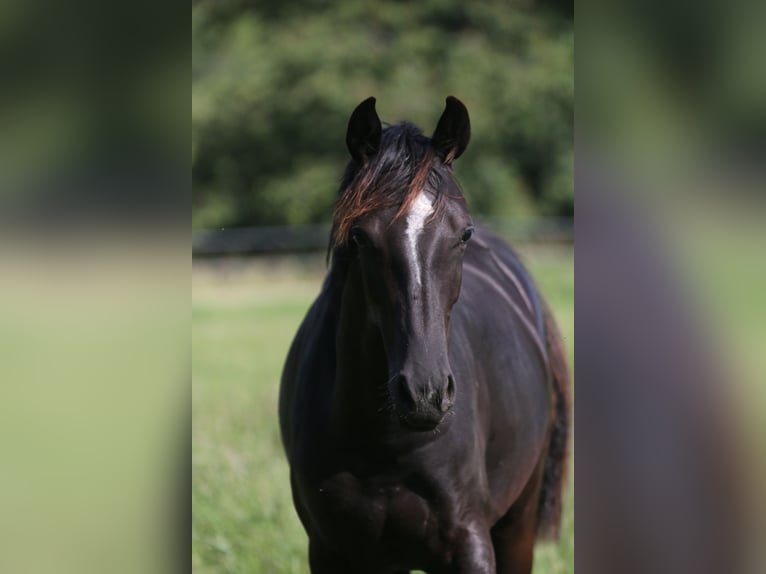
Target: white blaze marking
x=416, y=219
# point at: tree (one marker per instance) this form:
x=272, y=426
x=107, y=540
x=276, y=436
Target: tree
x=274, y=84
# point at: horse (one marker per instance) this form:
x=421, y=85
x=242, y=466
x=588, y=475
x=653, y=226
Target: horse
x=425, y=400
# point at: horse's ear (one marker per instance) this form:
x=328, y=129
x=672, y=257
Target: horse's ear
x=364, y=129
x=453, y=131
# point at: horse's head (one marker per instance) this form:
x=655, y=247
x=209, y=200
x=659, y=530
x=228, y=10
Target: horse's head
x=403, y=220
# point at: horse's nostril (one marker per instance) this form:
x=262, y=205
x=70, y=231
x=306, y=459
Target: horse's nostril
x=403, y=391
x=450, y=387
x=448, y=397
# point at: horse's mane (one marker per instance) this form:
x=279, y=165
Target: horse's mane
x=392, y=178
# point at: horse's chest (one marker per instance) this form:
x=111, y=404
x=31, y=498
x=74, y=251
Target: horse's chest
x=375, y=517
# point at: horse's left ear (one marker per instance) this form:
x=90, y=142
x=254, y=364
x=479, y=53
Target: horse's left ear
x=452, y=132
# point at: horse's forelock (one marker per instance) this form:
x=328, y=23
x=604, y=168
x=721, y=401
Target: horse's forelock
x=391, y=179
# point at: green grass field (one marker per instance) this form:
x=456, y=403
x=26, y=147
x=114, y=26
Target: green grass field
x=244, y=316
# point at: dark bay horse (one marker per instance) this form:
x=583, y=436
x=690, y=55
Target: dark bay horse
x=424, y=405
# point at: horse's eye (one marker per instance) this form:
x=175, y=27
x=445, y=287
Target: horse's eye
x=359, y=237
x=467, y=234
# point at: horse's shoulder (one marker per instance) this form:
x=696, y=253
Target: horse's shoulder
x=497, y=269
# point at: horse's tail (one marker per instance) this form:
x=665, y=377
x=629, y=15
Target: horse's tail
x=557, y=458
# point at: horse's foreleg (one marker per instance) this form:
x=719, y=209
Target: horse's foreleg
x=514, y=548
x=513, y=536
x=323, y=561
x=473, y=552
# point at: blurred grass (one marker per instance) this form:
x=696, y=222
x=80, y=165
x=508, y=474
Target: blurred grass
x=244, y=316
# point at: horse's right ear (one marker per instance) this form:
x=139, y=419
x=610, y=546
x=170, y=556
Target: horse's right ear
x=364, y=129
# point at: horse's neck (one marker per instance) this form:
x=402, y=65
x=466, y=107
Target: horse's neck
x=360, y=399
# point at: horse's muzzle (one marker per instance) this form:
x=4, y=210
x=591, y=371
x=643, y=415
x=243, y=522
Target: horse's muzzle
x=423, y=407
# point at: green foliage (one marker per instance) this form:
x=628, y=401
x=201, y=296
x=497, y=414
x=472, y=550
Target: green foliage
x=274, y=85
